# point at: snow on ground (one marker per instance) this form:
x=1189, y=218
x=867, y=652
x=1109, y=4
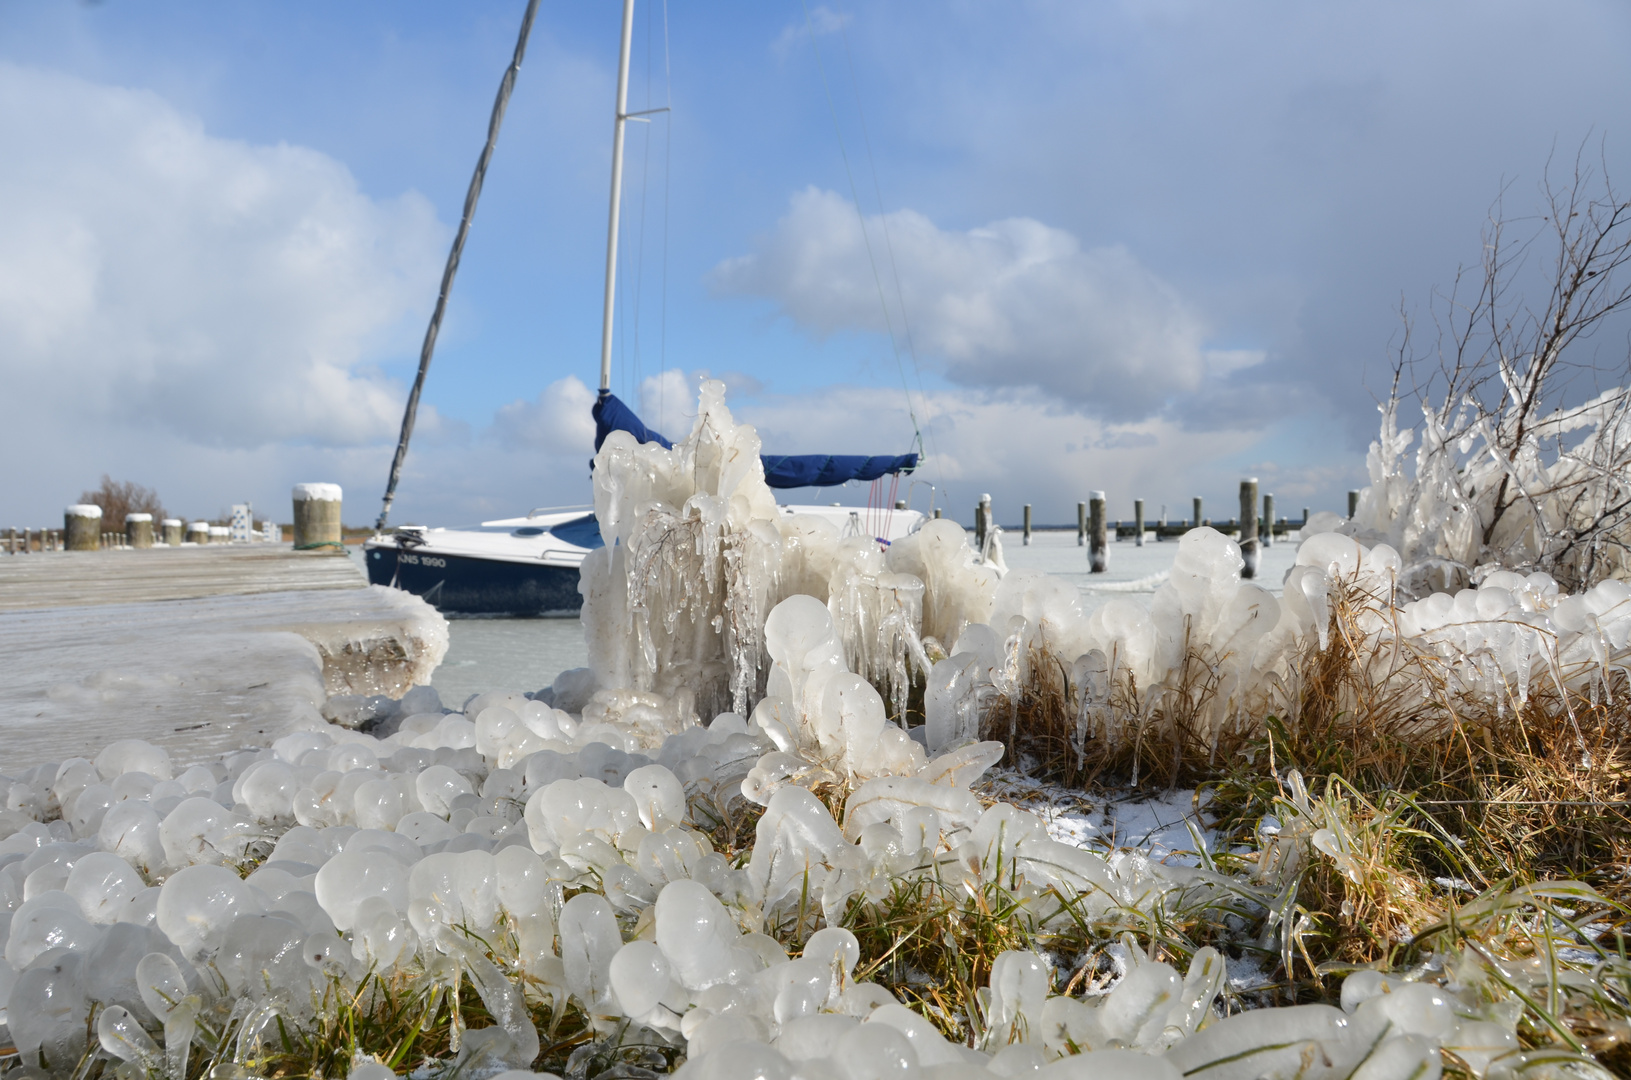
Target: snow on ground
x=1158, y=825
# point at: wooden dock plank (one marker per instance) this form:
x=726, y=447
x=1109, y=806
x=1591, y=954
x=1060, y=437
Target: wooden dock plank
x=74, y=578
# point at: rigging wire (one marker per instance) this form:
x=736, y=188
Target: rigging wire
x=668, y=149
x=889, y=244
x=640, y=244
x=866, y=239
x=472, y=194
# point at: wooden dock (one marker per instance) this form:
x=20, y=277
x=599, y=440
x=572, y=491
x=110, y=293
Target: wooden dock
x=200, y=650
x=53, y=579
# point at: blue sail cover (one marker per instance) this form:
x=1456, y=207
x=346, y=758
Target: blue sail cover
x=612, y=415
x=781, y=471
x=825, y=470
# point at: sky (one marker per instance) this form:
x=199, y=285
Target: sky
x=1146, y=248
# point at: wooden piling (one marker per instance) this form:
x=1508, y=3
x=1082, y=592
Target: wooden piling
x=979, y=524
x=1027, y=541
x=1268, y=520
x=198, y=532
x=1305, y=518
x=82, y=524
x=1098, y=553
x=1248, y=527
x=1081, y=524
x=1197, y=521
x=172, y=531
x=1138, y=522
x=139, y=530
x=317, y=517
x=1353, y=504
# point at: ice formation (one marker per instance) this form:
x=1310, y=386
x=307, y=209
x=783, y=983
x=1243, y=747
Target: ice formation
x=1565, y=470
x=398, y=851
x=554, y=846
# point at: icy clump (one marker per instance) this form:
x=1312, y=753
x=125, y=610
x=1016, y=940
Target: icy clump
x=398, y=855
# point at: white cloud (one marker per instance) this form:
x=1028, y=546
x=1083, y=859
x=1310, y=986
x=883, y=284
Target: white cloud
x=1021, y=447
x=822, y=21
x=557, y=422
x=1014, y=303
x=156, y=276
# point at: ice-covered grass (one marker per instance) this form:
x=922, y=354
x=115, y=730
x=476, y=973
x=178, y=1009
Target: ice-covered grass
x=729, y=846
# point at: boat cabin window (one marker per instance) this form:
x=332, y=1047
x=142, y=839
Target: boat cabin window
x=584, y=532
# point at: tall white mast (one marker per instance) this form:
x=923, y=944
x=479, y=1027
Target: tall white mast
x=617, y=197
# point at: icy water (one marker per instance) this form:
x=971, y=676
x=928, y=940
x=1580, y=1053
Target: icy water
x=526, y=654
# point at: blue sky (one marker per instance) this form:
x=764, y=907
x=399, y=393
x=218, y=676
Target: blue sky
x=1144, y=247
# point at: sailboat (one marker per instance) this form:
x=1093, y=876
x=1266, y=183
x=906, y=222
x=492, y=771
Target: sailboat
x=529, y=565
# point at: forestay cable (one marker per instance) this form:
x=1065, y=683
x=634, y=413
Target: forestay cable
x=502, y=102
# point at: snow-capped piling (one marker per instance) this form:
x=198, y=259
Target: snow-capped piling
x=1248, y=527
x=173, y=531
x=82, y=523
x=1098, y=553
x=139, y=530
x=1138, y=522
x=198, y=532
x=317, y=517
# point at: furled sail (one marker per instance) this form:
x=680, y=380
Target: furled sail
x=781, y=470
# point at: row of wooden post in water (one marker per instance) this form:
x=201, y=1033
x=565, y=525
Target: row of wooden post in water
x=1253, y=530
x=316, y=527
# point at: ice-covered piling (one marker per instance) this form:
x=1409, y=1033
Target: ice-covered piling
x=82, y=523
x=1268, y=520
x=1248, y=527
x=173, y=532
x=139, y=530
x=317, y=517
x=1098, y=553
x=198, y=532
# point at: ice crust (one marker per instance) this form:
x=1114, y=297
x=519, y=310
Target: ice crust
x=736, y=655
x=395, y=854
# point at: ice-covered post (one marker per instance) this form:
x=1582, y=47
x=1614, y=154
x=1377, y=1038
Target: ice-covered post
x=1138, y=522
x=198, y=532
x=1027, y=541
x=1248, y=527
x=139, y=530
x=317, y=517
x=1081, y=524
x=1098, y=554
x=172, y=531
x=1268, y=520
x=1195, y=523
x=82, y=523
x=1353, y=504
